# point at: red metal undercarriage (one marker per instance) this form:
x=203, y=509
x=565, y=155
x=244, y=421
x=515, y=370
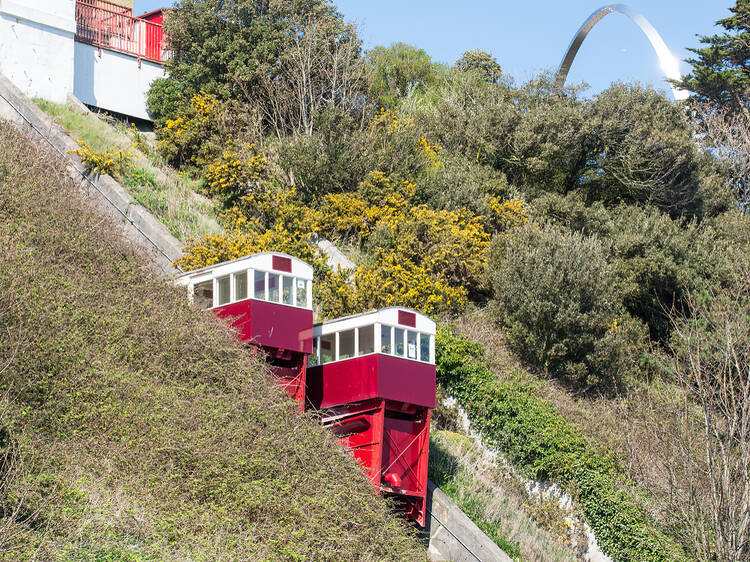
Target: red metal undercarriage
x=289, y=369
x=391, y=440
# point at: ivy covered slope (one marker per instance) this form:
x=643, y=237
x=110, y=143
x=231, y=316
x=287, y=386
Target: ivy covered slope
x=133, y=427
x=535, y=437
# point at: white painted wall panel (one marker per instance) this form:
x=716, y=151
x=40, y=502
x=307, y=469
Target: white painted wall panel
x=113, y=81
x=37, y=46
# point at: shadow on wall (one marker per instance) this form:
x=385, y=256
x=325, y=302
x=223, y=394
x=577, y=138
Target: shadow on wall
x=84, y=72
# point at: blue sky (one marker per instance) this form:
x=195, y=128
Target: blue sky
x=528, y=37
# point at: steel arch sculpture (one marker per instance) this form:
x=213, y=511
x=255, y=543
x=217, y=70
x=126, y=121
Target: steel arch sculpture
x=667, y=60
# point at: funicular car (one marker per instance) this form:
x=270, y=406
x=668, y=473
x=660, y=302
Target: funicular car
x=372, y=378
x=267, y=298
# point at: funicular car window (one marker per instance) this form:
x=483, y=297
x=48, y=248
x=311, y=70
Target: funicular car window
x=385, y=339
x=398, y=337
x=346, y=344
x=328, y=348
x=240, y=285
x=411, y=345
x=273, y=287
x=222, y=286
x=424, y=348
x=301, y=288
x=366, y=340
x=203, y=294
x=287, y=284
x=259, y=285
x=312, y=360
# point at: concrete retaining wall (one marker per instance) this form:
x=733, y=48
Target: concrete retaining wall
x=113, y=81
x=455, y=537
x=136, y=222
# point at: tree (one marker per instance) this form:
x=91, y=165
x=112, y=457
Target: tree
x=283, y=59
x=398, y=69
x=710, y=469
x=321, y=68
x=482, y=63
x=725, y=133
x=645, y=152
x=721, y=70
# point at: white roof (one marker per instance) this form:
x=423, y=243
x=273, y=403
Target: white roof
x=263, y=262
x=389, y=316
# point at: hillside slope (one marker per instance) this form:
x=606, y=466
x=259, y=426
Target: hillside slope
x=134, y=427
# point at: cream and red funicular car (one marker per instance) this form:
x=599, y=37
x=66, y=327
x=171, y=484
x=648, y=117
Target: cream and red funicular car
x=267, y=299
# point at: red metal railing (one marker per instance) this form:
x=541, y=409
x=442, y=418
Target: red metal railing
x=119, y=31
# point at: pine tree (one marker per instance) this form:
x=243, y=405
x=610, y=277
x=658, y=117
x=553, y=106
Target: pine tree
x=721, y=70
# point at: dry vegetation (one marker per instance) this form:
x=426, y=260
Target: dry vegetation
x=133, y=426
x=683, y=440
x=496, y=500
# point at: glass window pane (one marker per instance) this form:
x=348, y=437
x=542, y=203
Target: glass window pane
x=346, y=344
x=301, y=292
x=411, y=345
x=312, y=360
x=240, y=285
x=385, y=339
x=328, y=348
x=203, y=294
x=398, y=341
x=222, y=285
x=424, y=348
x=259, y=284
x=286, y=289
x=273, y=287
x=366, y=340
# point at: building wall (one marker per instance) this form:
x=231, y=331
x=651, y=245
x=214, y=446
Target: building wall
x=126, y=3
x=37, y=46
x=113, y=81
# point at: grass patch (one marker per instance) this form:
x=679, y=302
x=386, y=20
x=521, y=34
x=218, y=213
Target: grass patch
x=490, y=498
x=170, y=196
x=138, y=428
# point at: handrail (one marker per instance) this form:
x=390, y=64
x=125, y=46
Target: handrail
x=112, y=29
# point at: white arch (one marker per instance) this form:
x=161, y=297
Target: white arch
x=669, y=65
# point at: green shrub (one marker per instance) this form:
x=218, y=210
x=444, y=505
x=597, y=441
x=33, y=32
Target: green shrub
x=535, y=437
x=656, y=260
x=557, y=298
x=163, y=100
x=328, y=161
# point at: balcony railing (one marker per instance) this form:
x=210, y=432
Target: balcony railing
x=109, y=26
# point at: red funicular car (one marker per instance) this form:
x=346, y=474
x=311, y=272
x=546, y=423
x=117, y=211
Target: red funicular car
x=267, y=298
x=372, y=376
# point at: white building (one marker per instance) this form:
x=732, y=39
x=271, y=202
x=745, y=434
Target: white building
x=95, y=49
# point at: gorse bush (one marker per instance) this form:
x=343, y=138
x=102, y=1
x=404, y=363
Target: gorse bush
x=390, y=281
x=242, y=238
x=557, y=297
x=112, y=161
x=235, y=172
x=197, y=134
